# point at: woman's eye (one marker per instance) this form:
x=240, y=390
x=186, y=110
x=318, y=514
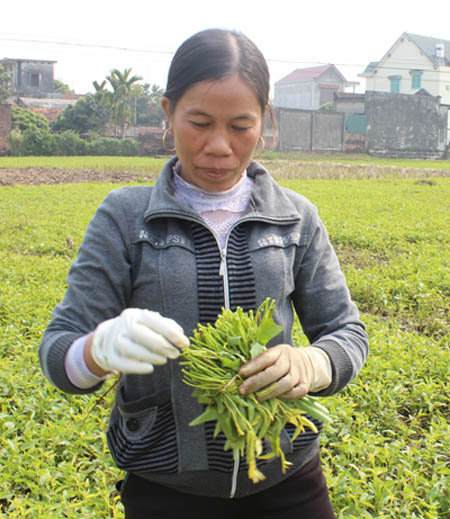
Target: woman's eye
x=240, y=128
x=199, y=124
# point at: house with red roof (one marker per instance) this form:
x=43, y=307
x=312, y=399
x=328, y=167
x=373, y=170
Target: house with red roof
x=310, y=88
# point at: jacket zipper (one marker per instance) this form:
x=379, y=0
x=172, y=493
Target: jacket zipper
x=223, y=271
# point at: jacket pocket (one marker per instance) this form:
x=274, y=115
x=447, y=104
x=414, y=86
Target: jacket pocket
x=142, y=436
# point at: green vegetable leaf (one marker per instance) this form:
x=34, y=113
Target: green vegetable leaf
x=228, y=362
x=256, y=349
x=209, y=414
x=268, y=329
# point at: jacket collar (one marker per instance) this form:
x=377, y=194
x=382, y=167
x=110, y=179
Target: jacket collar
x=268, y=201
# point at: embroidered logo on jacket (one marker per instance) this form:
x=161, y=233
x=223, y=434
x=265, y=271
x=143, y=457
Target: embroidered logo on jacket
x=280, y=240
x=158, y=241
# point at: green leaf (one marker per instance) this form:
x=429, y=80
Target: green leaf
x=228, y=362
x=267, y=330
x=256, y=349
x=209, y=414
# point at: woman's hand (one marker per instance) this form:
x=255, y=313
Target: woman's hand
x=134, y=342
x=293, y=372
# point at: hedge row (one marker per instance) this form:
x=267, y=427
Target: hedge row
x=37, y=142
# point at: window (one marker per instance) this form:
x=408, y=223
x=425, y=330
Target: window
x=395, y=84
x=34, y=80
x=416, y=80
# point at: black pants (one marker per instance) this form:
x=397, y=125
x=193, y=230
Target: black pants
x=304, y=495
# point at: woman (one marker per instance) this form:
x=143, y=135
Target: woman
x=215, y=231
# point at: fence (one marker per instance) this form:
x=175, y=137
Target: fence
x=306, y=130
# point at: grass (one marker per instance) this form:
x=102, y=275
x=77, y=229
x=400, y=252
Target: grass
x=385, y=455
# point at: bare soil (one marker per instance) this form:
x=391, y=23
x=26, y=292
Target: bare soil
x=279, y=170
x=37, y=176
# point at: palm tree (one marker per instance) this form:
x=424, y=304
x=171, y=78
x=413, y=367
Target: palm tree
x=99, y=87
x=121, y=98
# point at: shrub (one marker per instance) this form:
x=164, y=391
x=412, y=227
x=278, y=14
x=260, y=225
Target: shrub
x=105, y=146
x=69, y=143
x=129, y=147
x=16, y=143
x=37, y=142
x=109, y=146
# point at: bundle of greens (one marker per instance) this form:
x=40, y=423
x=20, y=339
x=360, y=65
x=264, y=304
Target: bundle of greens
x=210, y=365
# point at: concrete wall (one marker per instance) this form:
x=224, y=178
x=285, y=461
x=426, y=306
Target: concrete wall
x=5, y=128
x=305, y=130
x=350, y=105
x=406, y=126
x=328, y=131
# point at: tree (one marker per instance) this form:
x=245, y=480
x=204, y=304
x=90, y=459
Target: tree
x=62, y=88
x=118, y=101
x=148, y=107
x=121, y=99
x=5, y=85
x=89, y=114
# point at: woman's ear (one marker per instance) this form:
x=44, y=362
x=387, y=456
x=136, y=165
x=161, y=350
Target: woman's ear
x=165, y=103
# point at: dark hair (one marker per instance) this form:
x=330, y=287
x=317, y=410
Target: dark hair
x=215, y=54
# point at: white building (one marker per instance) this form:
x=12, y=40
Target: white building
x=412, y=64
x=310, y=88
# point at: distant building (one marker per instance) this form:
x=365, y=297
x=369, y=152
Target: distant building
x=310, y=88
x=347, y=103
x=30, y=77
x=412, y=64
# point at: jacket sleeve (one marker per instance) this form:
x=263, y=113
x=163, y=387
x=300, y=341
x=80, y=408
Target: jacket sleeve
x=330, y=319
x=99, y=286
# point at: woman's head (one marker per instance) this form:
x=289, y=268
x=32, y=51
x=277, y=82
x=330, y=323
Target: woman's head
x=214, y=54
x=215, y=101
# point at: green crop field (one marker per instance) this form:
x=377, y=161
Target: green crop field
x=387, y=452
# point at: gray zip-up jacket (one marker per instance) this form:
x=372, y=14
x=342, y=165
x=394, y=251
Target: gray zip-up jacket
x=141, y=249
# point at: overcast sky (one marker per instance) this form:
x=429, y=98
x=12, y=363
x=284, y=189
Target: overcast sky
x=90, y=38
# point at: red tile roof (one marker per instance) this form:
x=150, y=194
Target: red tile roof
x=303, y=74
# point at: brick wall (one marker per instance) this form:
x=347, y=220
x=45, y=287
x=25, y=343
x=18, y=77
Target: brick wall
x=5, y=128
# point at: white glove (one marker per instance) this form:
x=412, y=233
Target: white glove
x=319, y=368
x=290, y=372
x=136, y=341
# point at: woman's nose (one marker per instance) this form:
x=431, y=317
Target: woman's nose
x=218, y=142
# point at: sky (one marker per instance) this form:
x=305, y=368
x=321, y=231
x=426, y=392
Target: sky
x=89, y=38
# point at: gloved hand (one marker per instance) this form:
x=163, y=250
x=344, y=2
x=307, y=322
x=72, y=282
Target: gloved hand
x=293, y=372
x=136, y=341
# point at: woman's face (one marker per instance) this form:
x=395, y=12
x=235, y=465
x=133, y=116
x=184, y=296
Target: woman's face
x=216, y=127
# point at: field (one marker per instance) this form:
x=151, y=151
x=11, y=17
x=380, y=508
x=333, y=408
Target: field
x=387, y=452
